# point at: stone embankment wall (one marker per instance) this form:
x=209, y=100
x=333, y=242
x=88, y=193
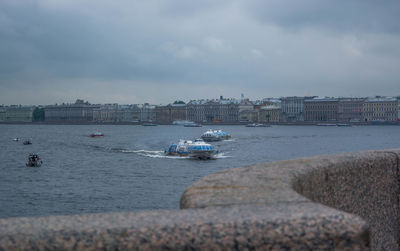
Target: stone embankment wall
x=345, y=201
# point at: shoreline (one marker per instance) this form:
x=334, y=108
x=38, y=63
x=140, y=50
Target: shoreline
x=302, y=123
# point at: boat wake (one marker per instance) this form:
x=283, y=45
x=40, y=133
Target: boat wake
x=153, y=154
x=221, y=156
x=161, y=154
x=229, y=140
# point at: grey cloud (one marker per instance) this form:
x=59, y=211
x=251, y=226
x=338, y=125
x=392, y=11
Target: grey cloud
x=340, y=15
x=264, y=48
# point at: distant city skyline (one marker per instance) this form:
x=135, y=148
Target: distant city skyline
x=132, y=52
x=224, y=98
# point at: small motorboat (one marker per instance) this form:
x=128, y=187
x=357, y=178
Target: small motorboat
x=96, y=134
x=149, y=124
x=16, y=139
x=257, y=125
x=215, y=135
x=197, y=149
x=325, y=124
x=343, y=125
x=192, y=125
x=33, y=161
x=28, y=141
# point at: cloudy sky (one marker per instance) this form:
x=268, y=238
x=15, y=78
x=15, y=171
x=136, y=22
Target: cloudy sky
x=158, y=51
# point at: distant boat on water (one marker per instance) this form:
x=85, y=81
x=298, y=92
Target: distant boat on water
x=96, y=134
x=182, y=122
x=215, y=135
x=28, y=141
x=344, y=125
x=257, y=125
x=325, y=124
x=192, y=125
x=340, y=125
x=149, y=124
x=33, y=161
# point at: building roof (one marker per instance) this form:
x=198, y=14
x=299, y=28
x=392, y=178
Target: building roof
x=380, y=99
x=322, y=99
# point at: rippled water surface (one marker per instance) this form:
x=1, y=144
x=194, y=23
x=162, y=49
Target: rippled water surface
x=127, y=171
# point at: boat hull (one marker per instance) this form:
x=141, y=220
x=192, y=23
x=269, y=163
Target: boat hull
x=203, y=155
x=215, y=138
x=194, y=155
x=211, y=139
x=96, y=135
x=34, y=164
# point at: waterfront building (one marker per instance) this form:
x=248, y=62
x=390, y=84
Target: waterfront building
x=195, y=110
x=350, y=109
x=269, y=114
x=128, y=113
x=2, y=114
x=168, y=113
x=246, y=111
x=105, y=113
x=265, y=102
x=380, y=109
x=114, y=113
x=248, y=116
x=80, y=111
x=147, y=112
x=398, y=108
x=216, y=110
x=222, y=110
x=18, y=113
x=293, y=108
x=246, y=105
x=321, y=109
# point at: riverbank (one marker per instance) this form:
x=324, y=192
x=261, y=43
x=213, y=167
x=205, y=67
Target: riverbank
x=300, y=123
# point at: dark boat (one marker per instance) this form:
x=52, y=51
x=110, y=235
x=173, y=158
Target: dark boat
x=96, y=134
x=27, y=142
x=192, y=125
x=33, y=161
x=343, y=125
x=257, y=125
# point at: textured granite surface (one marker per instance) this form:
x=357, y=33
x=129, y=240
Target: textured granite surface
x=299, y=225
x=289, y=204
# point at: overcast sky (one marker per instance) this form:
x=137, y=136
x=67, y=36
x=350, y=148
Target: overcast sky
x=159, y=51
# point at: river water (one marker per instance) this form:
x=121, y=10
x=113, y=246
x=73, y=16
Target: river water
x=126, y=170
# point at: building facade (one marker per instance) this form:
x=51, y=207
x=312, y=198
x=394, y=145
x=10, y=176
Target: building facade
x=195, y=110
x=114, y=113
x=398, y=109
x=2, y=114
x=380, y=109
x=80, y=111
x=321, y=109
x=350, y=109
x=168, y=113
x=213, y=111
x=105, y=113
x=248, y=116
x=269, y=114
x=17, y=113
x=147, y=112
x=293, y=108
